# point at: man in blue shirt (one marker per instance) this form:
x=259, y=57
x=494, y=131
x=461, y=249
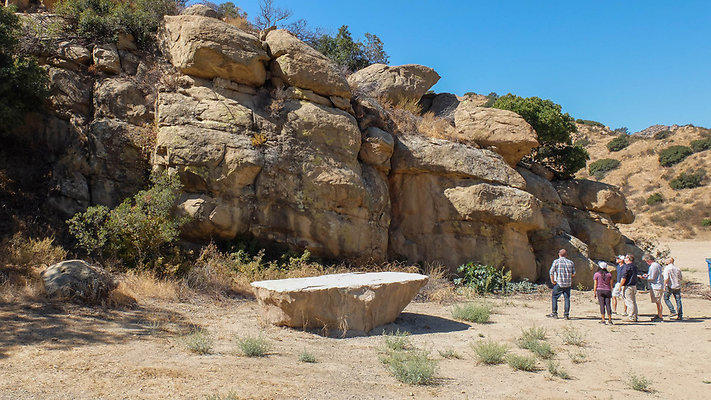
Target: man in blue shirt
x=562, y=272
x=628, y=286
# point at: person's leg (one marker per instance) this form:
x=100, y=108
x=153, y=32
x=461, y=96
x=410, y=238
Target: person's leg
x=614, y=305
x=634, y=310
x=670, y=306
x=608, y=299
x=677, y=297
x=566, y=296
x=601, y=302
x=555, y=295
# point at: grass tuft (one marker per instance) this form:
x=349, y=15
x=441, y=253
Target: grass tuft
x=397, y=341
x=522, y=363
x=490, y=352
x=450, y=354
x=640, y=383
x=472, y=312
x=199, y=342
x=578, y=358
x=573, y=336
x=556, y=370
x=253, y=346
x=414, y=367
x=307, y=357
x=538, y=347
x=228, y=396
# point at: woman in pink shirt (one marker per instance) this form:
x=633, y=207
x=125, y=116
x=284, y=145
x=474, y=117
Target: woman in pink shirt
x=602, y=290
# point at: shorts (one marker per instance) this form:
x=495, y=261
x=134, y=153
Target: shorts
x=655, y=295
x=616, y=292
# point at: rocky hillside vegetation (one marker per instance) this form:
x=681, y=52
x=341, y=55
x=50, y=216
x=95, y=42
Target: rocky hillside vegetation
x=663, y=172
x=270, y=140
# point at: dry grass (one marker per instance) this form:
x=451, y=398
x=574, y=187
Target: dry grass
x=143, y=285
x=434, y=127
x=22, y=259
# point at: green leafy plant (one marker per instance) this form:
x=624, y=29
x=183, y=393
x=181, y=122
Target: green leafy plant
x=533, y=339
x=701, y=145
x=554, y=131
x=590, y=123
x=673, y=155
x=654, y=198
x=522, y=286
x=688, y=180
x=253, y=346
x=483, y=278
x=103, y=20
x=24, y=85
x=414, y=367
x=397, y=341
x=490, y=352
x=556, y=370
x=307, y=357
x=662, y=134
x=639, y=383
x=490, y=99
x=619, y=143
x=138, y=230
x=600, y=167
x=199, y=342
x=473, y=312
x=522, y=363
x=351, y=54
x=706, y=222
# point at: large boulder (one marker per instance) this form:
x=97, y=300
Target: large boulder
x=208, y=48
x=347, y=302
x=201, y=10
x=505, y=132
x=122, y=99
x=298, y=64
x=75, y=280
x=394, y=83
x=591, y=196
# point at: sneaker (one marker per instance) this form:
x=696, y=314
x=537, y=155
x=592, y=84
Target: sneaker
x=657, y=319
x=552, y=315
x=567, y=317
x=603, y=322
x=614, y=313
x=610, y=322
x=673, y=314
x=679, y=318
x=631, y=319
x=624, y=314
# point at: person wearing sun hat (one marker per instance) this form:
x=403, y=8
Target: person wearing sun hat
x=602, y=290
x=616, y=292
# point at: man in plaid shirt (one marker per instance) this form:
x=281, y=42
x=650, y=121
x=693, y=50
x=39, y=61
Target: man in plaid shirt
x=562, y=273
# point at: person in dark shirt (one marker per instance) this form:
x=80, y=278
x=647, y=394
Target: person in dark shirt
x=616, y=292
x=628, y=286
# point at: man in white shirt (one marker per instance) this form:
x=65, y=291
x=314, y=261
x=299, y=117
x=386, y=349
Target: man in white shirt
x=672, y=286
x=656, y=285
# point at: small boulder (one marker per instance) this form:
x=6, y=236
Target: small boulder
x=377, y=148
x=347, y=302
x=75, y=280
x=201, y=10
x=106, y=58
x=394, y=83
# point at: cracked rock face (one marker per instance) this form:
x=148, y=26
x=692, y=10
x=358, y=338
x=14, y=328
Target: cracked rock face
x=347, y=302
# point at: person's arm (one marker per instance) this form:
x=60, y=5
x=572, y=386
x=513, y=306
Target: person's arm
x=594, y=288
x=622, y=285
x=551, y=272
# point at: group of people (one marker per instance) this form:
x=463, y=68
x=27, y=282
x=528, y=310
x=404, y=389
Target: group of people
x=663, y=283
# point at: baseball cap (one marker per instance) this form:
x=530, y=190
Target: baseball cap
x=620, y=257
x=602, y=264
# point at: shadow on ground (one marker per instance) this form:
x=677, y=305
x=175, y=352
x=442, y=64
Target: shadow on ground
x=419, y=324
x=64, y=326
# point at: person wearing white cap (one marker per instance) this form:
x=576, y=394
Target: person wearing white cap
x=602, y=290
x=616, y=292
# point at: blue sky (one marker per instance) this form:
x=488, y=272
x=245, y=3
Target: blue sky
x=624, y=63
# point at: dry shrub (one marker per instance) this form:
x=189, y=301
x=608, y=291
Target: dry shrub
x=435, y=127
x=409, y=104
x=241, y=23
x=143, y=285
x=26, y=253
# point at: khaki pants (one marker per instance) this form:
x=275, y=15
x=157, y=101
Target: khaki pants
x=630, y=295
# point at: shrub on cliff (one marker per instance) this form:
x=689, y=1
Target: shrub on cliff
x=701, y=145
x=137, y=231
x=688, y=180
x=600, y=167
x=554, y=133
x=103, y=20
x=619, y=143
x=590, y=123
x=351, y=54
x=23, y=84
x=673, y=155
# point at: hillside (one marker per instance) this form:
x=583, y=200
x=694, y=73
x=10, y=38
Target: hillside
x=680, y=213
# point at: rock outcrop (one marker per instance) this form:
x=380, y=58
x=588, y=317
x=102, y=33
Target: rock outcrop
x=394, y=83
x=77, y=281
x=345, y=302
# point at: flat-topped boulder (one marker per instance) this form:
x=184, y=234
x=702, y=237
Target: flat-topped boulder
x=348, y=302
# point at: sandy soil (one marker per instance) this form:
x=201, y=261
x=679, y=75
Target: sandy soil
x=70, y=352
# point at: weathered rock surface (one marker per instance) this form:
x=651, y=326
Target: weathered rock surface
x=201, y=10
x=298, y=64
x=505, y=132
x=107, y=59
x=591, y=195
x=347, y=302
x=208, y=48
x=75, y=280
x=394, y=83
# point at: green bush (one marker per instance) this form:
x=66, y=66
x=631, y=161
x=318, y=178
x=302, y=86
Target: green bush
x=522, y=286
x=688, y=180
x=556, y=370
x=490, y=353
x=414, y=367
x=353, y=55
x=706, y=222
x=23, y=83
x=701, y=145
x=590, y=123
x=103, y=20
x=253, y=346
x=522, y=363
x=490, y=99
x=654, y=199
x=639, y=383
x=199, y=342
x=138, y=231
x=662, y=134
x=473, y=312
x=673, y=155
x=397, y=341
x=583, y=142
x=307, y=357
x=483, y=278
x=600, y=167
x=618, y=143
x=573, y=336
x=554, y=131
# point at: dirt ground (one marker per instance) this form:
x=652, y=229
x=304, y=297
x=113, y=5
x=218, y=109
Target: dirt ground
x=70, y=352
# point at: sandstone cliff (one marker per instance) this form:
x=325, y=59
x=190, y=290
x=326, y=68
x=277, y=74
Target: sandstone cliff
x=271, y=141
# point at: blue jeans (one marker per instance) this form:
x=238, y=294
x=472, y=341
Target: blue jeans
x=557, y=291
x=677, y=297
